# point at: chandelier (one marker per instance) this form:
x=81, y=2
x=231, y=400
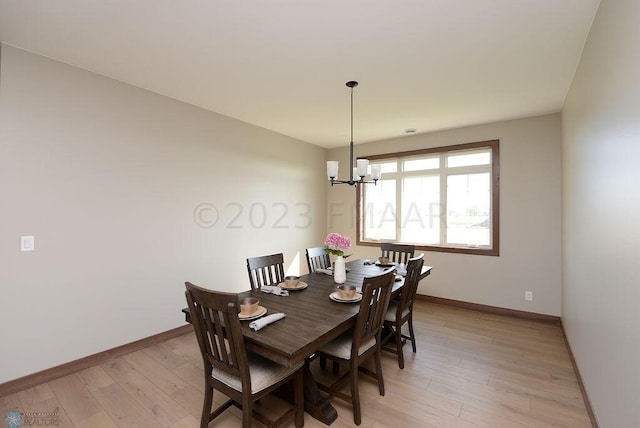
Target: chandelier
x=358, y=173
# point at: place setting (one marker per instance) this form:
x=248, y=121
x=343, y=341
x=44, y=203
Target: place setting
x=346, y=294
x=292, y=283
x=250, y=310
x=385, y=262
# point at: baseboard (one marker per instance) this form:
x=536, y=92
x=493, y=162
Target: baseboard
x=549, y=319
x=585, y=397
x=47, y=375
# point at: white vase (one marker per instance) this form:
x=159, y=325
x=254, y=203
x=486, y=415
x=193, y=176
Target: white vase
x=340, y=271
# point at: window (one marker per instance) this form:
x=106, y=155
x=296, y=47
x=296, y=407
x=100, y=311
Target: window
x=440, y=199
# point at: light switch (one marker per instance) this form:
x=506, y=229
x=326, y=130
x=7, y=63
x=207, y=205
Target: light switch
x=27, y=243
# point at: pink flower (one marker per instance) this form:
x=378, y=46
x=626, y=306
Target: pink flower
x=337, y=244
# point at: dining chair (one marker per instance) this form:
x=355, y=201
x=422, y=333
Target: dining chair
x=397, y=253
x=400, y=311
x=318, y=258
x=361, y=343
x=265, y=270
x=243, y=377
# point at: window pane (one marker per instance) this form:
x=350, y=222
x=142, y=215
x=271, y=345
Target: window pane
x=421, y=210
x=379, y=211
x=421, y=164
x=469, y=209
x=387, y=166
x=469, y=159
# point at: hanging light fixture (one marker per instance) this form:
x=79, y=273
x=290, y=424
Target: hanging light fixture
x=362, y=165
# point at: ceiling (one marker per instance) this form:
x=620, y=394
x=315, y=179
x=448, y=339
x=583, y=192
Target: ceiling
x=283, y=64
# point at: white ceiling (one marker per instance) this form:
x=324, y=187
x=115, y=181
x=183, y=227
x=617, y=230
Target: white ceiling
x=283, y=64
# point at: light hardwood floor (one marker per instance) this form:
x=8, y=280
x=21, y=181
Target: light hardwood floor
x=472, y=369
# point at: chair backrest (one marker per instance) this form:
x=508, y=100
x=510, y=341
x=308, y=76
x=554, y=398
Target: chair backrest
x=410, y=287
x=214, y=316
x=398, y=253
x=265, y=270
x=318, y=258
x=376, y=293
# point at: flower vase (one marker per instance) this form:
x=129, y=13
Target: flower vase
x=340, y=271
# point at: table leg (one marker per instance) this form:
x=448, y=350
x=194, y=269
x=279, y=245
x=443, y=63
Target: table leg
x=314, y=403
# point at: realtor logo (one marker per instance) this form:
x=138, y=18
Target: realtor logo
x=17, y=419
x=14, y=419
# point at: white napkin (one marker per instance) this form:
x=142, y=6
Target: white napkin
x=325, y=271
x=274, y=289
x=401, y=269
x=265, y=321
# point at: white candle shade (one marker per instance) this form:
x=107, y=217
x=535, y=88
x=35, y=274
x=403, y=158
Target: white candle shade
x=376, y=172
x=363, y=166
x=332, y=169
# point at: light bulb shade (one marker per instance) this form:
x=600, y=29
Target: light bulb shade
x=354, y=175
x=362, y=167
x=332, y=169
x=376, y=172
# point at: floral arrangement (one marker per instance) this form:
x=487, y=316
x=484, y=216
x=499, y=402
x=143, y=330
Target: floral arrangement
x=337, y=244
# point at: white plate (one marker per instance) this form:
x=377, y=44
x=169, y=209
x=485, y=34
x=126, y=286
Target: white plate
x=301, y=286
x=336, y=298
x=257, y=314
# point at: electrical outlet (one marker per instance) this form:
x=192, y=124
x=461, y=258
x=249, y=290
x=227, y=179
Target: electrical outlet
x=27, y=243
x=528, y=296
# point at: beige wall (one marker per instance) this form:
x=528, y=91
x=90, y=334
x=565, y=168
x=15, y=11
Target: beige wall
x=107, y=177
x=530, y=217
x=601, y=222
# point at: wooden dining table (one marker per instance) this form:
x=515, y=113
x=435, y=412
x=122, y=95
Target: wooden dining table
x=312, y=319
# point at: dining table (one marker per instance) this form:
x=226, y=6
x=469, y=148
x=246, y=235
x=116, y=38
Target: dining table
x=311, y=319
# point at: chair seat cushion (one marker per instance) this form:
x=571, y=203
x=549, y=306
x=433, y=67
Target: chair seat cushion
x=264, y=373
x=392, y=310
x=340, y=347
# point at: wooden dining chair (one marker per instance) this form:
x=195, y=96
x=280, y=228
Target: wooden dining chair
x=361, y=343
x=318, y=258
x=243, y=377
x=397, y=253
x=400, y=311
x=265, y=270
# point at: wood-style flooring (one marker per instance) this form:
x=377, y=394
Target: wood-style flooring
x=472, y=369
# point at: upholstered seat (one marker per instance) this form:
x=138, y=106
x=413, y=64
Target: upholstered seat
x=340, y=347
x=263, y=373
x=392, y=311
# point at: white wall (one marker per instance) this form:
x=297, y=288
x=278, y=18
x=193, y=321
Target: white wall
x=601, y=221
x=107, y=177
x=530, y=217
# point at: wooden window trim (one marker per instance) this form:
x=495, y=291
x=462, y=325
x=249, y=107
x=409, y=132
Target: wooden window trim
x=495, y=195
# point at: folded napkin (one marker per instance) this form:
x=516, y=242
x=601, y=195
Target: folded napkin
x=325, y=271
x=265, y=321
x=274, y=289
x=401, y=269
